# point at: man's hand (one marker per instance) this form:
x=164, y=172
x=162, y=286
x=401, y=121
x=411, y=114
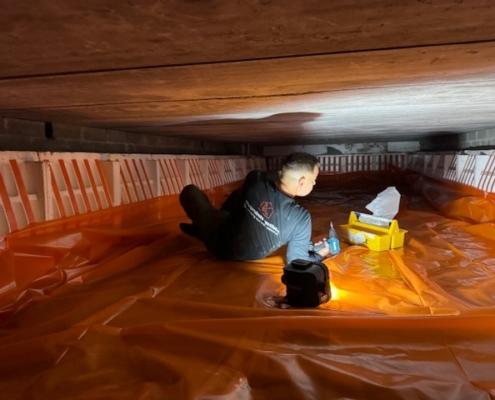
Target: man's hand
x=279, y=302
x=325, y=251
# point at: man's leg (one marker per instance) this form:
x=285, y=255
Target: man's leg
x=233, y=202
x=189, y=229
x=206, y=219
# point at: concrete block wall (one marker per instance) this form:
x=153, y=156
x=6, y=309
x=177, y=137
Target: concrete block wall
x=475, y=168
x=24, y=135
x=344, y=163
x=476, y=139
x=344, y=148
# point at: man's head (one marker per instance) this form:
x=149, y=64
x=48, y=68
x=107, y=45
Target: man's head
x=298, y=174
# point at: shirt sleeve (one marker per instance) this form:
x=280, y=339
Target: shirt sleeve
x=299, y=245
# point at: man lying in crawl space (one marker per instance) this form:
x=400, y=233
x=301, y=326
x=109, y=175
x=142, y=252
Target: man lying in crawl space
x=260, y=217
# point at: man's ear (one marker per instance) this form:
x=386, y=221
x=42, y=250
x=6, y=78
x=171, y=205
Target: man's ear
x=301, y=181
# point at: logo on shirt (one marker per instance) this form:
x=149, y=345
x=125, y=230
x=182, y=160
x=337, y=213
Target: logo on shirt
x=266, y=209
x=258, y=217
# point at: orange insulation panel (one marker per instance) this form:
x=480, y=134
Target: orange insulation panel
x=118, y=304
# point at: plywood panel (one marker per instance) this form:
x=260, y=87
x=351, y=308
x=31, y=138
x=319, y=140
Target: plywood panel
x=452, y=100
x=301, y=75
x=402, y=92
x=59, y=36
x=260, y=71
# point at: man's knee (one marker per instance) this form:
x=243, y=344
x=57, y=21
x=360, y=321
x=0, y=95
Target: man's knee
x=187, y=193
x=196, y=204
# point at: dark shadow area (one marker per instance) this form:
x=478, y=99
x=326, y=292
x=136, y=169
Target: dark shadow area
x=240, y=129
x=441, y=141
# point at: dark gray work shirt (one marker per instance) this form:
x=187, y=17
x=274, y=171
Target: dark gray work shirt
x=262, y=219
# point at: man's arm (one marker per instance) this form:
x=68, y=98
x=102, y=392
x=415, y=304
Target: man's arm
x=299, y=245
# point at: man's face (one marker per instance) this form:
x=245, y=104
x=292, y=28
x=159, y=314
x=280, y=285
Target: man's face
x=307, y=182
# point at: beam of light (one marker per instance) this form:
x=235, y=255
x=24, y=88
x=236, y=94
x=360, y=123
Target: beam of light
x=337, y=293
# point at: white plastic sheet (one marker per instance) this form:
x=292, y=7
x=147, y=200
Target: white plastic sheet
x=386, y=204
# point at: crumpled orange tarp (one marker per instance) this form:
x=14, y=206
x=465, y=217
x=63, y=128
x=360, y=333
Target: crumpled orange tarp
x=121, y=305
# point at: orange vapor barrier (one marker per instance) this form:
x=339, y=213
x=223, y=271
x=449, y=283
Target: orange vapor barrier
x=119, y=304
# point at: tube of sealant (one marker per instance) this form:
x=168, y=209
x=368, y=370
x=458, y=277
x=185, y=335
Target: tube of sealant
x=332, y=240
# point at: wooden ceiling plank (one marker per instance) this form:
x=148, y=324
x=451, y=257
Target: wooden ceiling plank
x=55, y=36
x=308, y=75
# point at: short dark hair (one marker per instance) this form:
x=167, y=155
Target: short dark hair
x=299, y=161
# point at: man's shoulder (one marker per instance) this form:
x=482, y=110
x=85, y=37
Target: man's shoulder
x=255, y=176
x=297, y=211
x=260, y=180
x=258, y=174
x=301, y=210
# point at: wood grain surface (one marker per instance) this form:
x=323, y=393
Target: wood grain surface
x=260, y=71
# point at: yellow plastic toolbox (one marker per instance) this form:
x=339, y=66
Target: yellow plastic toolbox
x=376, y=233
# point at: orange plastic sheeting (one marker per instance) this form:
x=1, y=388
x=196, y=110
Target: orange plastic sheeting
x=121, y=305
